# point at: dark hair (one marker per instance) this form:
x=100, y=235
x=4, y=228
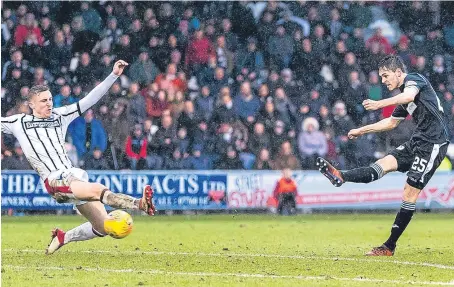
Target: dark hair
x=392, y=63
x=36, y=90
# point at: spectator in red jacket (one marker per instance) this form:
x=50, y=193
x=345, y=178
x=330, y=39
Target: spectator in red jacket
x=136, y=148
x=170, y=80
x=29, y=31
x=198, y=51
x=285, y=193
x=379, y=38
x=157, y=104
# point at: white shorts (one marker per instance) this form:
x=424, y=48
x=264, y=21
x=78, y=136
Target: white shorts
x=57, y=184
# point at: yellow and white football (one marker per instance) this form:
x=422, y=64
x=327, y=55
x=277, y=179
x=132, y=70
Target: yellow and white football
x=119, y=224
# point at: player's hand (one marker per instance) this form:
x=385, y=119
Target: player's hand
x=354, y=134
x=119, y=67
x=371, y=105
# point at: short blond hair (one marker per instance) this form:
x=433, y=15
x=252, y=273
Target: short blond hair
x=36, y=90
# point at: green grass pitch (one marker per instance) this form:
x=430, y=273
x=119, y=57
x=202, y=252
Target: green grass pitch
x=233, y=250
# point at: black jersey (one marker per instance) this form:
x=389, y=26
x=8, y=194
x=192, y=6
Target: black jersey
x=426, y=111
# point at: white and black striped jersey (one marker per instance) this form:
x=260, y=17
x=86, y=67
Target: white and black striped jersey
x=42, y=140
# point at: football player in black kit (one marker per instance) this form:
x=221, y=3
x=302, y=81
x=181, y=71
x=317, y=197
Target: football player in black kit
x=420, y=156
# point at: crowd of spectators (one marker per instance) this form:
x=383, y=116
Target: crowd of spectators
x=221, y=85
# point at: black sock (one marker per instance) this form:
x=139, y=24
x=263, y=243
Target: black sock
x=363, y=174
x=403, y=217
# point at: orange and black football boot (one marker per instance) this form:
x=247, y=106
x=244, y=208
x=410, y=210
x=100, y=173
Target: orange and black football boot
x=380, y=251
x=329, y=171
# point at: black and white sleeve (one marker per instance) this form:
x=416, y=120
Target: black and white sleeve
x=399, y=113
x=8, y=124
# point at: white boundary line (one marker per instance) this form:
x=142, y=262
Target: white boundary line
x=215, y=274
x=424, y=264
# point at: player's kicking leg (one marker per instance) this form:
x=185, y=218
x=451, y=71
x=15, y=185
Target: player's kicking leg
x=361, y=175
x=366, y=175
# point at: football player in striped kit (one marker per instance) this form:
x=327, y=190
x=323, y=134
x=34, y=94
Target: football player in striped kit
x=41, y=136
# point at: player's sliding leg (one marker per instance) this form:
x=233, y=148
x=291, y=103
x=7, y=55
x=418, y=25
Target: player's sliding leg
x=401, y=222
x=89, y=191
x=95, y=212
x=360, y=175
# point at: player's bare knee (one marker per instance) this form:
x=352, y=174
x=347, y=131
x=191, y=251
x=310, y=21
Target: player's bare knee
x=94, y=192
x=388, y=164
x=97, y=190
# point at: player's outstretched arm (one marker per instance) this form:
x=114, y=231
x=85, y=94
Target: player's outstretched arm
x=407, y=96
x=383, y=125
x=7, y=124
x=100, y=90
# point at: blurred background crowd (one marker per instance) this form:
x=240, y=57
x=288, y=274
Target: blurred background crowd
x=222, y=85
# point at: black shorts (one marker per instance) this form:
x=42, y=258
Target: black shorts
x=420, y=159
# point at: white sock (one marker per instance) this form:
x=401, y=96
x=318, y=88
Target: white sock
x=81, y=233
